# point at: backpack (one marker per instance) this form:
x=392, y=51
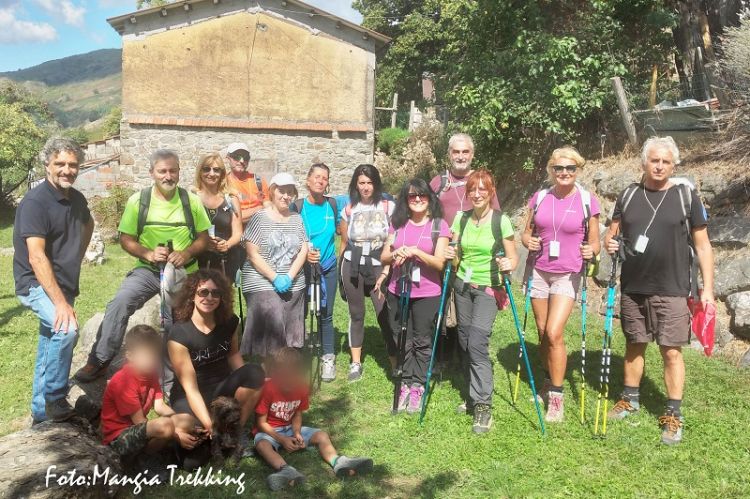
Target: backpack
x=443, y=183
x=593, y=269
x=685, y=190
x=497, y=233
x=145, y=202
x=331, y=201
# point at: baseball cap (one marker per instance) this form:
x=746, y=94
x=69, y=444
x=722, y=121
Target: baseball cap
x=237, y=146
x=283, y=179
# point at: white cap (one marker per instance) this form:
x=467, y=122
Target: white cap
x=283, y=179
x=237, y=146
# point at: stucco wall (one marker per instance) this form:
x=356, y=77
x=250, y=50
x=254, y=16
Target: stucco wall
x=292, y=152
x=248, y=65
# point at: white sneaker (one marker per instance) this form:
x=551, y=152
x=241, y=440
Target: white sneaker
x=328, y=371
x=355, y=371
x=556, y=408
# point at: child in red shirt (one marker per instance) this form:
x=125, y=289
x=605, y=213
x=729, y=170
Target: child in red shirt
x=130, y=395
x=278, y=424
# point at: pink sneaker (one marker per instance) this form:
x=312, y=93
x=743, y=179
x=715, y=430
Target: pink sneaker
x=403, y=399
x=555, y=409
x=415, y=399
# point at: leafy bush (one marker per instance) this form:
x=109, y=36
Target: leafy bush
x=421, y=156
x=108, y=210
x=392, y=140
x=112, y=122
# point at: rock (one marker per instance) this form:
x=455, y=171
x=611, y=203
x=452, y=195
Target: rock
x=611, y=186
x=732, y=274
x=7, y=251
x=735, y=351
x=95, y=251
x=738, y=192
x=108, y=234
x=744, y=363
x=148, y=314
x=731, y=232
x=711, y=185
x=739, y=307
x=26, y=458
x=722, y=330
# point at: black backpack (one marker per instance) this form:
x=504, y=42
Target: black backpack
x=145, y=202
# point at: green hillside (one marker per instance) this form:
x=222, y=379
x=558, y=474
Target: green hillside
x=80, y=88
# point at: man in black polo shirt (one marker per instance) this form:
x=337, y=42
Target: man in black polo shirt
x=657, y=219
x=52, y=230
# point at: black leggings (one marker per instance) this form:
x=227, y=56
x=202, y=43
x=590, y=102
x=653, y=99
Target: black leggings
x=248, y=376
x=420, y=329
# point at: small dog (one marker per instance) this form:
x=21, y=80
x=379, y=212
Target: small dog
x=227, y=431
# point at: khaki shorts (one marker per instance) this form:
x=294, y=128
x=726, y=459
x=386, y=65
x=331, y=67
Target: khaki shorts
x=544, y=284
x=663, y=319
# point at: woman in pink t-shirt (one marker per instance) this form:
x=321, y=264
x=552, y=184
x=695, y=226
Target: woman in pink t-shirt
x=555, y=233
x=417, y=234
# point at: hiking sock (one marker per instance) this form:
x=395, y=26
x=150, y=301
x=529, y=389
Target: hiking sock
x=673, y=406
x=332, y=462
x=556, y=389
x=631, y=393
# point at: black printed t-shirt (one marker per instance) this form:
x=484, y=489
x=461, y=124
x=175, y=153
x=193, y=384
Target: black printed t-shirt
x=663, y=268
x=46, y=213
x=208, y=352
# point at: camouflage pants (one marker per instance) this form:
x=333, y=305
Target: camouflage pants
x=131, y=441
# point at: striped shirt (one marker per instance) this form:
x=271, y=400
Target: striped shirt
x=279, y=243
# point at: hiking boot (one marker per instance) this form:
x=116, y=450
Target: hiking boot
x=285, y=477
x=403, y=399
x=355, y=371
x=555, y=408
x=328, y=372
x=59, y=410
x=90, y=372
x=623, y=408
x=350, y=466
x=671, y=428
x=482, y=418
x=415, y=399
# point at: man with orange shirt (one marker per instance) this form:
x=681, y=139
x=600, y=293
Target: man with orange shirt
x=250, y=188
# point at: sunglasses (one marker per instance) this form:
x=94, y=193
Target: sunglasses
x=205, y=292
x=208, y=169
x=567, y=168
x=413, y=196
x=239, y=157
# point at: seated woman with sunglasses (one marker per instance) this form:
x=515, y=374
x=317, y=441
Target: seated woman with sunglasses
x=223, y=209
x=418, y=235
x=203, y=348
x=559, y=220
x=482, y=234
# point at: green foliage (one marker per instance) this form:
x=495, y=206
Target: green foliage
x=146, y=4
x=521, y=77
x=108, y=210
x=79, y=134
x=111, y=125
x=392, y=140
x=22, y=134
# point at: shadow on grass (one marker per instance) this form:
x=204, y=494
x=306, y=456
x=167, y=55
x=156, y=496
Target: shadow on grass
x=11, y=313
x=652, y=399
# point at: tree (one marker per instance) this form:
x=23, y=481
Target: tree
x=145, y=4
x=24, y=126
x=521, y=76
x=112, y=122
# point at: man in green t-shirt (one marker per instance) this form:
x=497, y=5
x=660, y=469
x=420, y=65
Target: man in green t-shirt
x=148, y=241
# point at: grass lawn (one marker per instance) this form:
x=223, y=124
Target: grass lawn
x=443, y=458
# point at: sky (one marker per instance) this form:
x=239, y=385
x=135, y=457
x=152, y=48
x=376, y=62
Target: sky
x=35, y=31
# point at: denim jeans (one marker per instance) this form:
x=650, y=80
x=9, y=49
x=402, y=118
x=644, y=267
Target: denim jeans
x=54, y=353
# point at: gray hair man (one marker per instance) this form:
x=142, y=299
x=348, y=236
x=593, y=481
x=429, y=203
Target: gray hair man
x=161, y=225
x=655, y=223
x=52, y=230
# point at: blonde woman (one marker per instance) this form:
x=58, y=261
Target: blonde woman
x=223, y=209
x=562, y=231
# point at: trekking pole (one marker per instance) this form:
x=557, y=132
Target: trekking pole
x=584, y=303
x=441, y=309
x=314, y=310
x=238, y=285
x=403, y=309
x=161, y=266
x=522, y=341
x=526, y=307
x=606, y=351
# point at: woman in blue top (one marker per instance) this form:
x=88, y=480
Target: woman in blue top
x=321, y=219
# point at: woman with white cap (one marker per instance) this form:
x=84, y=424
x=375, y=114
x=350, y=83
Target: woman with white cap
x=272, y=280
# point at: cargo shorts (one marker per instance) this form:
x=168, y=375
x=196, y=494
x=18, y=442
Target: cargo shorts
x=131, y=441
x=661, y=319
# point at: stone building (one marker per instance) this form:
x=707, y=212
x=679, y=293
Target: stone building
x=293, y=82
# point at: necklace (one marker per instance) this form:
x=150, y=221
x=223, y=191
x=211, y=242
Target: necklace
x=652, y=207
x=480, y=219
x=554, y=202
